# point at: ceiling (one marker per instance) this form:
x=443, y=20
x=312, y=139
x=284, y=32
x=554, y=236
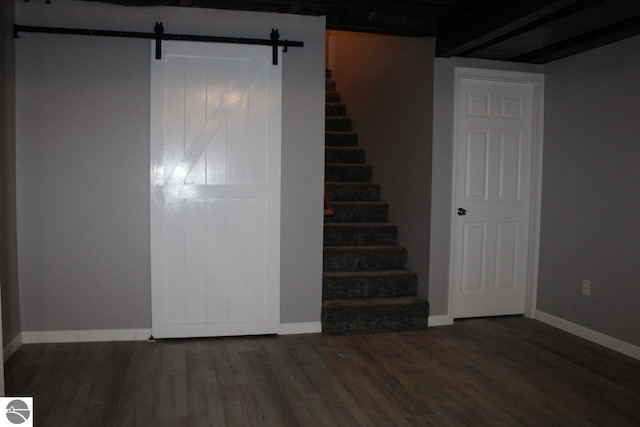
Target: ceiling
x=532, y=31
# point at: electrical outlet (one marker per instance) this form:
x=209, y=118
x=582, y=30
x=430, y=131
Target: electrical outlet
x=586, y=287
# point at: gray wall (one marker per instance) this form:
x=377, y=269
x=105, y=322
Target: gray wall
x=386, y=83
x=591, y=190
x=442, y=184
x=83, y=162
x=8, y=239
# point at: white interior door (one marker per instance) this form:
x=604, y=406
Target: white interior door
x=215, y=190
x=492, y=208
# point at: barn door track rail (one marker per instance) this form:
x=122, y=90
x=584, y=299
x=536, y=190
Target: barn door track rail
x=159, y=35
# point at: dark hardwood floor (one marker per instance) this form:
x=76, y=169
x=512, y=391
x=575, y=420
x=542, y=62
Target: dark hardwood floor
x=482, y=372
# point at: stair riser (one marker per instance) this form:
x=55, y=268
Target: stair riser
x=354, y=235
x=344, y=155
x=357, y=192
x=347, y=173
x=364, y=260
x=340, y=139
x=358, y=213
x=332, y=96
x=340, y=321
x=340, y=124
x=335, y=110
x=329, y=85
x=368, y=286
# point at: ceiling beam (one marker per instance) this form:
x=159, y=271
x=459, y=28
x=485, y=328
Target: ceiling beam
x=400, y=8
x=139, y=2
x=591, y=40
x=554, y=16
x=383, y=24
x=494, y=20
x=396, y=7
x=296, y=7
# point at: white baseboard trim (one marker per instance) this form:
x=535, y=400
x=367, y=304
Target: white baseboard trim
x=12, y=347
x=300, y=328
x=41, y=337
x=589, y=334
x=440, y=320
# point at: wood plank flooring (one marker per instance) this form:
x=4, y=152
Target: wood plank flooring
x=506, y=371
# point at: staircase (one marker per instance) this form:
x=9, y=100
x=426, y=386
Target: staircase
x=366, y=286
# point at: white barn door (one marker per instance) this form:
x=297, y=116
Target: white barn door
x=215, y=190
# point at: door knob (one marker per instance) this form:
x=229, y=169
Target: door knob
x=462, y=211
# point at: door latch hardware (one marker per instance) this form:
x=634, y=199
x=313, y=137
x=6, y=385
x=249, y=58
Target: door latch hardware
x=462, y=211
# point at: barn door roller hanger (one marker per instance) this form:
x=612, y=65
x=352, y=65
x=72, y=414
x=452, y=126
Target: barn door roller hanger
x=159, y=35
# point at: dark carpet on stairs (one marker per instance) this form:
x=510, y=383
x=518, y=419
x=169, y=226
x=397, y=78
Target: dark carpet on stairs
x=366, y=285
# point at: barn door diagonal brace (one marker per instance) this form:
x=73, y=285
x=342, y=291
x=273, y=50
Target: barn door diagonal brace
x=159, y=35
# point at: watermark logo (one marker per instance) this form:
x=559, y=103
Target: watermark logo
x=18, y=411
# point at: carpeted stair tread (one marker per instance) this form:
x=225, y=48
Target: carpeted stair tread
x=335, y=109
x=332, y=96
x=358, y=234
x=364, y=258
x=341, y=124
x=374, y=315
x=359, y=212
x=340, y=139
x=368, y=284
x=399, y=302
x=343, y=155
x=371, y=275
x=329, y=85
x=347, y=172
x=353, y=191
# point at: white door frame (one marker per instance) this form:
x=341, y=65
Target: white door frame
x=537, y=81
